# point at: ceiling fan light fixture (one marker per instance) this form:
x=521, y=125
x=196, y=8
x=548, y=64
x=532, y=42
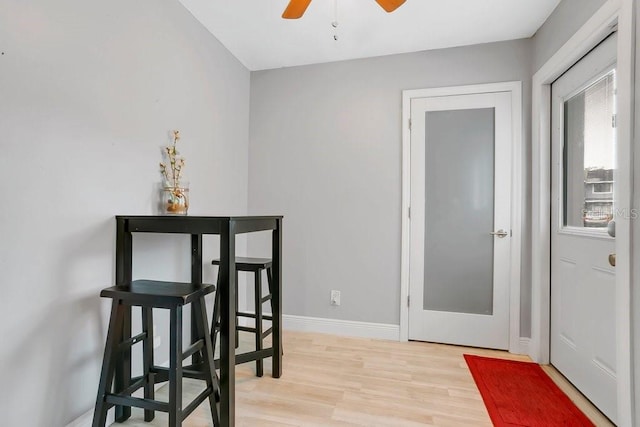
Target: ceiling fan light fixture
x=295, y=9
x=390, y=5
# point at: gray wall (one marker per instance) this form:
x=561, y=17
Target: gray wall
x=89, y=92
x=563, y=22
x=325, y=151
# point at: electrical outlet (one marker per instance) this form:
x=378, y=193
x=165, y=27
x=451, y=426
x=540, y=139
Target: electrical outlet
x=335, y=297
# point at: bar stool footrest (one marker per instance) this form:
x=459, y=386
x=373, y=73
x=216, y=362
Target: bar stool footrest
x=131, y=341
x=195, y=372
x=152, y=405
x=196, y=402
x=244, y=314
x=193, y=348
x=137, y=383
x=267, y=333
x=251, y=356
x=251, y=316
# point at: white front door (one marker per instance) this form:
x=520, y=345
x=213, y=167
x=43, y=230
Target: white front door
x=583, y=332
x=460, y=219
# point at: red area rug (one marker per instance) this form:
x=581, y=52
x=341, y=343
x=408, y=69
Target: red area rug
x=522, y=394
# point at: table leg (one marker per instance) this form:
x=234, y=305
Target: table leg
x=227, y=291
x=196, y=277
x=124, y=256
x=276, y=299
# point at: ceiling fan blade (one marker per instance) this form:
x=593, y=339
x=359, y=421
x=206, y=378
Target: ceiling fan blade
x=295, y=9
x=390, y=5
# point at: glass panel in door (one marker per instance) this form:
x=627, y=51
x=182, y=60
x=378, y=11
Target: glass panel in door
x=589, y=147
x=459, y=210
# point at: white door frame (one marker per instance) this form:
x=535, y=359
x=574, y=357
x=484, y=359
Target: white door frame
x=515, y=88
x=613, y=12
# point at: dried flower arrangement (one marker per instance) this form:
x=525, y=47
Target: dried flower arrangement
x=175, y=200
x=176, y=163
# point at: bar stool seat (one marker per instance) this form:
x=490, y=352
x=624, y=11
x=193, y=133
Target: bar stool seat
x=255, y=266
x=150, y=294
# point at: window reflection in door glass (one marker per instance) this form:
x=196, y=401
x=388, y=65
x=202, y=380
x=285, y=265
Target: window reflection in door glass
x=589, y=155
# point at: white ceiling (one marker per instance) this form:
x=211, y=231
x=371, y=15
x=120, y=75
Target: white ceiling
x=255, y=33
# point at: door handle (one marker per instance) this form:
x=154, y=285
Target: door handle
x=500, y=233
x=612, y=260
x=611, y=228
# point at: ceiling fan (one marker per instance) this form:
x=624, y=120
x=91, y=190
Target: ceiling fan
x=296, y=8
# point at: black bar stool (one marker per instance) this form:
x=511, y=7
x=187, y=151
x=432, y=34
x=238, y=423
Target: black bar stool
x=150, y=294
x=255, y=266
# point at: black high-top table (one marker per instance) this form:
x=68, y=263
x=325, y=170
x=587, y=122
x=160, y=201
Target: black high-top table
x=197, y=226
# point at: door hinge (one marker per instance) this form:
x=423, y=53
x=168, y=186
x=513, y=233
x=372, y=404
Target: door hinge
x=614, y=121
x=409, y=212
x=409, y=124
x=408, y=300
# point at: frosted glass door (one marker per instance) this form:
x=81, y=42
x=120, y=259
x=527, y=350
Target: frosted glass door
x=461, y=219
x=458, y=256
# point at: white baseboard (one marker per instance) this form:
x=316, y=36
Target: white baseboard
x=348, y=328
x=86, y=419
x=524, y=345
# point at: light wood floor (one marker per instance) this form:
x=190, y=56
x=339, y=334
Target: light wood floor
x=335, y=381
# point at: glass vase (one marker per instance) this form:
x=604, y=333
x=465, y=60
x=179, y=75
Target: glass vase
x=175, y=199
